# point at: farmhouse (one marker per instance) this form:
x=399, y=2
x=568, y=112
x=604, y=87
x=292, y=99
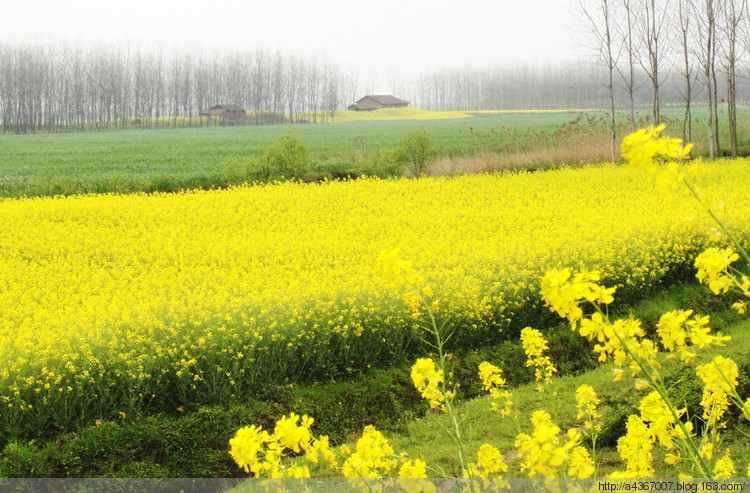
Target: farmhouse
x=230, y=112
x=376, y=102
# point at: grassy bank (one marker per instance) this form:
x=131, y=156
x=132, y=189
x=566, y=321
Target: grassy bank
x=205, y=158
x=194, y=443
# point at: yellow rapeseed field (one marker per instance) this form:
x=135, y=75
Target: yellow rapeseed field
x=410, y=113
x=113, y=302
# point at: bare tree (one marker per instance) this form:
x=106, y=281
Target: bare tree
x=631, y=53
x=652, y=30
x=601, y=26
x=732, y=17
x=706, y=34
x=684, y=10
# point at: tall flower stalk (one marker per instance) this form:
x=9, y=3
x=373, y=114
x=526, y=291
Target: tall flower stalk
x=428, y=379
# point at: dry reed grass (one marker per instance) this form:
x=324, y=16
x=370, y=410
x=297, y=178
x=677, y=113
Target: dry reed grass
x=551, y=155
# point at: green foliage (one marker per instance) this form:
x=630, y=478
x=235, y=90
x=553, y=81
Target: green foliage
x=236, y=171
x=416, y=151
x=288, y=157
x=385, y=163
x=129, y=161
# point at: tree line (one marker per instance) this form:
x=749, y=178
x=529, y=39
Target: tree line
x=563, y=85
x=649, y=53
x=700, y=45
x=64, y=88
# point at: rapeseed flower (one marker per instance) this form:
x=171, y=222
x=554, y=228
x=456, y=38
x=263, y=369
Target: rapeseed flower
x=534, y=345
x=712, y=265
x=489, y=463
x=586, y=403
x=373, y=456
x=544, y=453
x=246, y=448
x=493, y=381
x=635, y=449
x=720, y=379
x=427, y=380
x=157, y=300
x=724, y=468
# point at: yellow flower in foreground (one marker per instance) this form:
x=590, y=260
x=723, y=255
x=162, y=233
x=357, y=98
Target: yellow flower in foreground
x=712, y=264
x=372, y=458
x=724, y=468
x=581, y=465
x=645, y=146
x=586, y=402
x=720, y=379
x=489, y=463
x=293, y=436
x=246, y=446
x=427, y=380
x=562, y=292
x=534, y=345
x=635, y=449
x=660, y=419
x=542, y=453
x=492, y=379
x=413, y=470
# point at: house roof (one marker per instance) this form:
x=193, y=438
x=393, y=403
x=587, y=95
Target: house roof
x=383, y=99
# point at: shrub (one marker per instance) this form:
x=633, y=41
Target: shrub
x=417, y=149
x=386, y=163
x=288, y=157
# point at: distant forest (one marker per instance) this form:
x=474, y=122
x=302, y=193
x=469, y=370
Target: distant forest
x=645, y=54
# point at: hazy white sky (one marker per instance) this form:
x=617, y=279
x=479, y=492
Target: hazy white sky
x=403, y=35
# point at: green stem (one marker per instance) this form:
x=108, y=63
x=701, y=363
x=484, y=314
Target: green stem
x=721, y=224
x=687, y=439
x=455, y=429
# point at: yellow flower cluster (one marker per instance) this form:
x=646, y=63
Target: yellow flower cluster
x=635, y=448
x=260, y=453
x=680, y=336
x=545, y=454
x=489, y=463
x=373, y=458
x=168, y=298
x=563, y=292
x=720, y=379
x=492, y=379
x=534, y=345
x=712, y=265
x=427, y=380
x=645, y=149
x=586, y=402
x=675, y=330
x=624, y=339
x=404, y=278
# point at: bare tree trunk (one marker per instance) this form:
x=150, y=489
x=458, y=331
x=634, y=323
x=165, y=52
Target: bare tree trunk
x=707, y=33
x=652, y=24
x=602, y=29
x=631, y=55
x=732, y=16
x=684, y=8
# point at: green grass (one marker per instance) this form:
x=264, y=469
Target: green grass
x=188, y=158
x=148, y=160
x=423, y=438
x=428, y=440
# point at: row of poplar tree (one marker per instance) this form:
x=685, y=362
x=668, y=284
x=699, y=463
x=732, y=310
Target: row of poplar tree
x=701, y=45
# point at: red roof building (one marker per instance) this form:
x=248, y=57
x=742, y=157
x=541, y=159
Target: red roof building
x=376, y=102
